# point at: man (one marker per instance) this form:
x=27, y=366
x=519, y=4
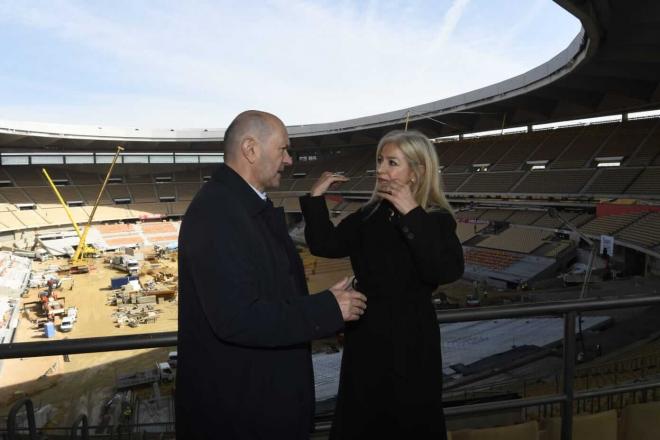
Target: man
x=245, y=315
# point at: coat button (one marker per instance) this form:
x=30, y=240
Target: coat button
x=405, y=229
x=410, y=235
x=317, y=328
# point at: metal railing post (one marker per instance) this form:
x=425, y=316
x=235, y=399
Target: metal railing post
x=82, y=424
x=11, y=419
x=569, y=376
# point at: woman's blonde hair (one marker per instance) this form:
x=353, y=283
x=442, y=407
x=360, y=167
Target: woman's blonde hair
x=423, y=160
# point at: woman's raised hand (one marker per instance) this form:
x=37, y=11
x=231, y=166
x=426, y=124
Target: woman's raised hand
x=400, y=195
x=325, y=181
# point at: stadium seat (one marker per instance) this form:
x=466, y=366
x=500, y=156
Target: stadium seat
x=600, y=426
x=523, y=431
x=641, y=421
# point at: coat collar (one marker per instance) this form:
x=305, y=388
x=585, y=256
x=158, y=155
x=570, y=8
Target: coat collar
x=243, y=192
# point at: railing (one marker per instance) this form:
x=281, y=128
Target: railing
x=569, y=310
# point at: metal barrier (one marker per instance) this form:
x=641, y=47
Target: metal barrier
x=11, y=419
x=82, y=424
x=567, y=309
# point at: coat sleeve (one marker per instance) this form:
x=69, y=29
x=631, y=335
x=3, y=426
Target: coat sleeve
x=226, y=284
x=323, y=238
x=436, y=250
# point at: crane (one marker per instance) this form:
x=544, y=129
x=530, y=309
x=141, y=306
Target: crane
x=89, y=250
x=83, y=249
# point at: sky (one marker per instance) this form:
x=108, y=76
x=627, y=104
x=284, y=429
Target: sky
x=196, y=64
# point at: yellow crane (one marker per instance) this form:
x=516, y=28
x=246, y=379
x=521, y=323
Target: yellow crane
x=89, y=250
x=83, y=248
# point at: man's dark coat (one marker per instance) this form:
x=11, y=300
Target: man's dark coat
x=245, y=319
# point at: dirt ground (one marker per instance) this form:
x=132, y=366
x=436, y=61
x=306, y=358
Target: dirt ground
x=84, y=382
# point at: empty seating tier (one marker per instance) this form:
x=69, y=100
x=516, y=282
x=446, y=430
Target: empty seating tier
x=645, y=231
x=554, y=182
x=612, y=181
x=490, y=258
x=610, y=224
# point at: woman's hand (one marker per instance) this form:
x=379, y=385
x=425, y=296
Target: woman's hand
x=325, y=181
x=399, y=195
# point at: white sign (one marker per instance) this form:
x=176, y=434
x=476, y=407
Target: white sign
x=607, y=245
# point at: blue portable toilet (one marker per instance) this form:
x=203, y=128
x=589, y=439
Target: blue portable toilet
x=49, y=329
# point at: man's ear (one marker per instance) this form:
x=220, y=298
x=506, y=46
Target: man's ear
x=249, y=149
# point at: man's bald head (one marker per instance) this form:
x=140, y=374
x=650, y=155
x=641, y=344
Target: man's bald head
x=251, y=123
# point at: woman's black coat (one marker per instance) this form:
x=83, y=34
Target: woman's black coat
x=391, y=377
x=245, y=319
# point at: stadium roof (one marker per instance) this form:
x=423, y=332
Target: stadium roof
x=611, y=66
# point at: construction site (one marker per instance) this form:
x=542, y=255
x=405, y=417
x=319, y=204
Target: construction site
x=553, y=176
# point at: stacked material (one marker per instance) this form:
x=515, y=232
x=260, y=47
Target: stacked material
x=14, y=275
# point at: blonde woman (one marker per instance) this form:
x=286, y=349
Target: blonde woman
x=402, y=245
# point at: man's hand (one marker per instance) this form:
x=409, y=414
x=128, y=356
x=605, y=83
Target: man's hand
x=326, y=180
x=351, y=302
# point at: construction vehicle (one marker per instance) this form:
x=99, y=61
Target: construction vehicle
x=83, y=250
x=161, y=373
x=38, y=254
x=66, y=325
x=125, y=263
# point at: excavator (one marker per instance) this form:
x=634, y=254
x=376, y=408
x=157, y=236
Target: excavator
x=83, y=249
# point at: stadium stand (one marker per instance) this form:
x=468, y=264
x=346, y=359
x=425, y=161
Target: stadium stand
x=523, y=431
x=365, y=184
x=448, y=152
x=193, y=175
x=557, y=142
x=641, y=421
x=499, y=146
x=499, y=215
x=186, y=191
x=515, y=239
x=525, y=217
x=627, y=137
x=465, y=231
x=118, y=191
x=29, y=176
x=303, y=185
x=15, y=196
x=42, y=195
x=611, y=224
x=178, y=208
x=648, y=183
x=89, y=194
x=10, y=221
x=291, y=204
x=546, y=221
x=520, y=150
x=489, y=258
x=647, y=153
x=147, y=210
x=166, y=190
x=584, y=147
x=554, y=182
x=644, y=232
x=601, y=426
x=451, y=182
x=143, y=192
x=490, y=182
x=612, y=181
x=470, y=150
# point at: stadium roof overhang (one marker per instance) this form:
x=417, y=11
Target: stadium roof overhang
x=612, y=65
